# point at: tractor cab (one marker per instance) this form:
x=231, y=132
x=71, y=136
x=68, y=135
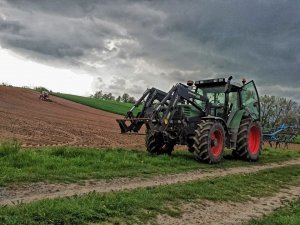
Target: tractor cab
x=226, y=98
x=214, y=90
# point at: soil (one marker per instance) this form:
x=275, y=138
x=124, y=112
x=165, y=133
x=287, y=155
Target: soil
x=283, y=147
x=38, y=123
x=38, y=191
x=230, y=213
x=61, y=122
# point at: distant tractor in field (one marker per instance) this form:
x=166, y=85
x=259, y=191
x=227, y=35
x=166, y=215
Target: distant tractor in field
x=44, y=96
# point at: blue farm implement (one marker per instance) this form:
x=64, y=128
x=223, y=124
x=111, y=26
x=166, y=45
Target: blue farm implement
x=284, y=134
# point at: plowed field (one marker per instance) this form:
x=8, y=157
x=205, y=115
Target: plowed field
x=58, y=123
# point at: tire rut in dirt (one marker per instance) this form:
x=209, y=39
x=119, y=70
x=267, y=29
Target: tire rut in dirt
x=230, y=213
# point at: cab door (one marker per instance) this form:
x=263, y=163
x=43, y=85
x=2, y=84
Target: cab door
x=250, y=100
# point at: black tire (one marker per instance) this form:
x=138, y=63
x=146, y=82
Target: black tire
x=156, y=145
x=249, y=140
x=209, y=141
x=190, y=144
x=191, y=148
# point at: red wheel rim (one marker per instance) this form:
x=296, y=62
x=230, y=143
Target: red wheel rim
x=217, y=142
x=254, y=140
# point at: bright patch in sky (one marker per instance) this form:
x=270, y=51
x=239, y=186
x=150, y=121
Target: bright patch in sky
x=18, y=71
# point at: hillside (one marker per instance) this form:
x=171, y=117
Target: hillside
x=120, y=108
x=58, y=123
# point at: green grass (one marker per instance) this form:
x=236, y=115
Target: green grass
x=69, y=164
x=142, y=205
x=297, y=140
x=106, y=105
x=289, y=215
x=9, y=147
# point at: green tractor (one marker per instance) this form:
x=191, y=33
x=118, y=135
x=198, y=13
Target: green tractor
x=208, y=116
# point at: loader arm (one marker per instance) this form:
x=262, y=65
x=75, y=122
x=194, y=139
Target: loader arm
x=168, y=105
x=150, y=95
x=136, y=122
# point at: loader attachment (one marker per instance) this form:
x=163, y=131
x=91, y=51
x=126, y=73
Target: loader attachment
x=149, y=99
x=131, y=125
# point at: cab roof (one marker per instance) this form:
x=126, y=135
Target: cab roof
x=215, y=82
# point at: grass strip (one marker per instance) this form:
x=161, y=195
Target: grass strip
x=289, y=215
x=69, y=164
x=120, y=108
x=142, y=205
x=297, y=140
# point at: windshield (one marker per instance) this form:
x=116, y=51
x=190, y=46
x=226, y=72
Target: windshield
x=215, y=95
x=216, y=98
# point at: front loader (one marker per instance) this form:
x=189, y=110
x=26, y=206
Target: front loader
x=149, y=99
x=207, y=117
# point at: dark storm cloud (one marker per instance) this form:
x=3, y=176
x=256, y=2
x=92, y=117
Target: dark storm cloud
x=11, y=27
x=141, y=44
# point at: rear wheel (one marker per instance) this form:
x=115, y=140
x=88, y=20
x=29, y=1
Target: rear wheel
x=249, y=140
x=155, y=143
x=209, y=141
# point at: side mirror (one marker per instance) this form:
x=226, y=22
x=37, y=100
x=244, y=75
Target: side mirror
x=227, y=88
x=228, y=85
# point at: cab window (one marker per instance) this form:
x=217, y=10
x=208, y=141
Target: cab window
x=250, y=99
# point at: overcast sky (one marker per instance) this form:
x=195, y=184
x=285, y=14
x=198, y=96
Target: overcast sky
x=79, y=46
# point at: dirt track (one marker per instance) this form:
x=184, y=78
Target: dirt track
x=59, y=123
x=34, y=192
x=230, y=213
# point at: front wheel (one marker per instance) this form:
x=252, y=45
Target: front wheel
x=155, y=143
x=209, y=141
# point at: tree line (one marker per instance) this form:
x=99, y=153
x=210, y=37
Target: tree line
x=109, y=96
x=278, y=110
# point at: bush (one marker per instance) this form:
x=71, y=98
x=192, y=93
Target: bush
x=4, y=84
x=40, y=89
x=9, y=147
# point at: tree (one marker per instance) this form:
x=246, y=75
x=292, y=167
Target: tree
x=40, y=89
x=118, y=98
x=278, y=110
x=131, y=100
x=125, y=97
x=98, y=94
x=110, y=96
x=267, y=105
